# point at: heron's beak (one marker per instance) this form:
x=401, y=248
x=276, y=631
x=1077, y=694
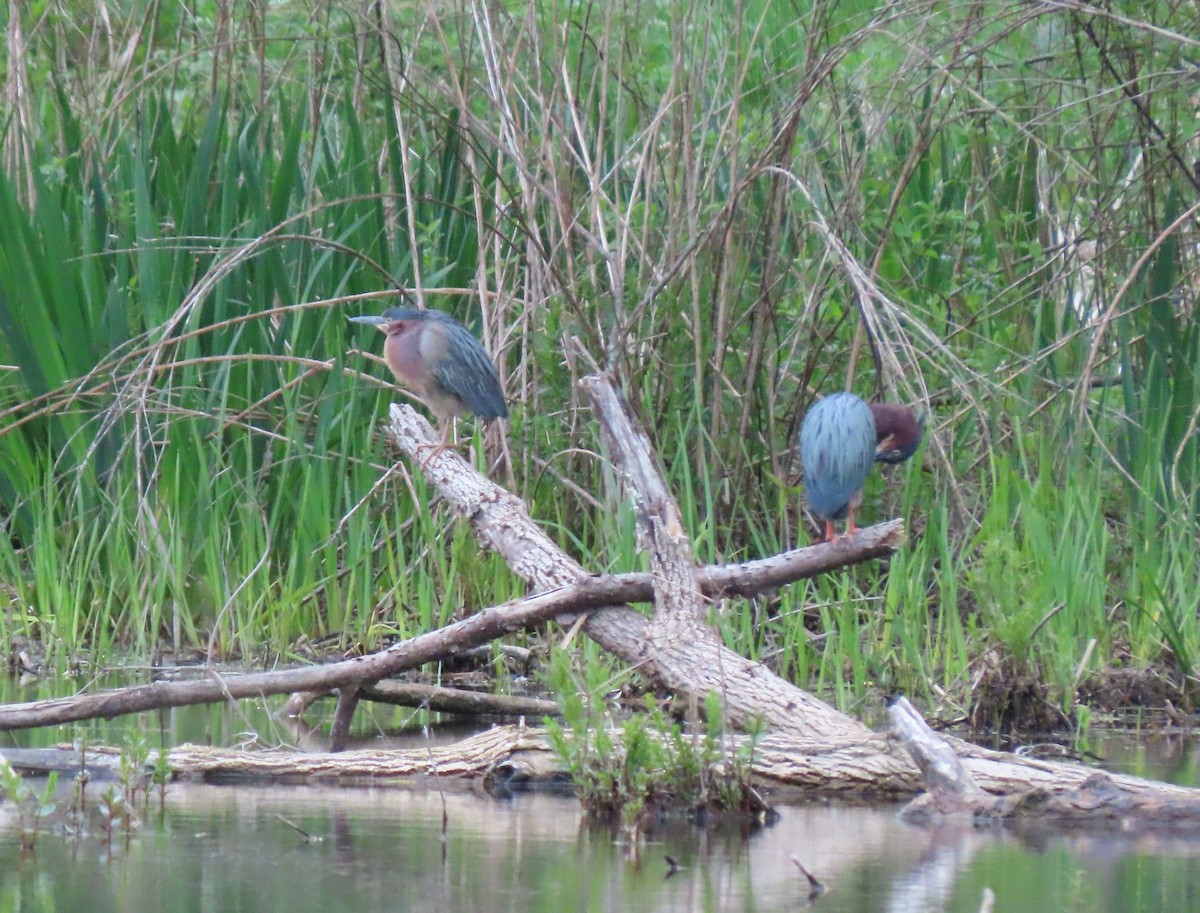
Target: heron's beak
x=379, y=322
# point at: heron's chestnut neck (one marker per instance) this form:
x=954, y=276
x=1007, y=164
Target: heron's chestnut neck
x=897, y=430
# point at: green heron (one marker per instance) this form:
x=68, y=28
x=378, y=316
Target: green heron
x=840, y=438
x=438, y=359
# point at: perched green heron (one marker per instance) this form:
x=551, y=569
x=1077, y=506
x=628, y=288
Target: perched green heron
x=438, y=359
x=840, y=438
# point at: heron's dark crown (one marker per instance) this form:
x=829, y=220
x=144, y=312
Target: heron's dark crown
x=397, y=314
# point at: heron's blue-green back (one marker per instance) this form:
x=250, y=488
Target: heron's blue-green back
x=467, y=371
x=837, y=448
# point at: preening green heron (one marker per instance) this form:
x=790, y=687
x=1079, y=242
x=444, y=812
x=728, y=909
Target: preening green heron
x=438, y=359
x=840, y=438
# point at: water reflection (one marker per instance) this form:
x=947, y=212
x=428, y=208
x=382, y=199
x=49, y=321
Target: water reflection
x=227, y=850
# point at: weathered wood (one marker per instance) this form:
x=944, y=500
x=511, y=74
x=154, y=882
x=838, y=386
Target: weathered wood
x=500, y=521
x=782, y=767
x=678, y=607
x=678, y=619
x=471, y=758
x=347, y=703
x=101, y=765
x=965, y=779
x=481, y=627
x=951, y=788
x=511, y=754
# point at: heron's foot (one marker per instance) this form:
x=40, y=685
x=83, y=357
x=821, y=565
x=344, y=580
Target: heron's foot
x=435, y=450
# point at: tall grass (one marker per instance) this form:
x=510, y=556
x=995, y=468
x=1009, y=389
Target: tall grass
x=963, y=207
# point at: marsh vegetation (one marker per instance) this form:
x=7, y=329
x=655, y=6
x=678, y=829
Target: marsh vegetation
x=984, y=210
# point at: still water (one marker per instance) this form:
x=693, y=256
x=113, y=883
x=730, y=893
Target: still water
x=226, y=849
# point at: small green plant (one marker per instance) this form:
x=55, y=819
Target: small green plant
x=160, y=776
x=32, y=807
x=133, y=778
x=112, y=811
x=118, y=805
x=1083, y=728
x=76, y=814
x=629, y=767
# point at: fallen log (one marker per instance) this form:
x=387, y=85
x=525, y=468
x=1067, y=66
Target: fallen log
x=782, y=768
x=457, y=700
x=690, y=665
x=588, y=594
x=950, y=788
x=981, y=785
x=522, y=749
x=435, y=698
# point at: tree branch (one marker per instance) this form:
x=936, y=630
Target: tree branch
x=486, y=625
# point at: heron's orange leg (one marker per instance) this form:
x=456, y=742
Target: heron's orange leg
x=436, y=449
x=851, y=527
